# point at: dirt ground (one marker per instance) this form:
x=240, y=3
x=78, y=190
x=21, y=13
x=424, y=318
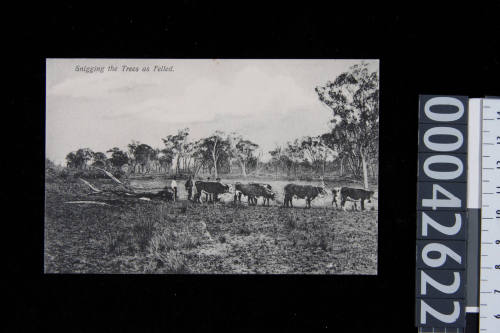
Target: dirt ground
x=135, y=236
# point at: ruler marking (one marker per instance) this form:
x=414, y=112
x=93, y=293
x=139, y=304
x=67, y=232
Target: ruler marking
x=489, y=203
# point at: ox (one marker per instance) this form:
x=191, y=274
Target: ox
x=307, y=192
x=253, y=191
x=212, y=188
x=351, y=194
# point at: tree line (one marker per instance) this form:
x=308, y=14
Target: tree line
x=351, y=146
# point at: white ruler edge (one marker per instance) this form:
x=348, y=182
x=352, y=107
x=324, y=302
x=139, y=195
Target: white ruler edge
x=473, y=203
x=489, y=299
x=474, y=154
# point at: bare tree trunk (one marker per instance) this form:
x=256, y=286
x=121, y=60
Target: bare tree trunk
x=243, y=169
x=214, y=158
x=215, y=166
x=365, y=171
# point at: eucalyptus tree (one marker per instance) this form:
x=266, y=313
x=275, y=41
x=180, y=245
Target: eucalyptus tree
x=353, y=98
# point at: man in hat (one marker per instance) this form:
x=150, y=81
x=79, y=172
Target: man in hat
x=173, y=185
x=189, y=187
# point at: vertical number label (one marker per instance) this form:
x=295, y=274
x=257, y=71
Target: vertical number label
x=441, y=224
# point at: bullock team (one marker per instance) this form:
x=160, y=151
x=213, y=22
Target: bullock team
x=253, y=191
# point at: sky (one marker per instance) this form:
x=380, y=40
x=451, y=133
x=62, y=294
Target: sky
x=268, y=101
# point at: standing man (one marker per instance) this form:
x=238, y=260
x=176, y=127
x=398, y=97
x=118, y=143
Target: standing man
x=189, y=187
x=173, y=185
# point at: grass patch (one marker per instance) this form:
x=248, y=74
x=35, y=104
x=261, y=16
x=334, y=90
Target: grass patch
x=244, y=230
x=291, y=222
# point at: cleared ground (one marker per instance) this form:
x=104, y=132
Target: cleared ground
x=134, y=236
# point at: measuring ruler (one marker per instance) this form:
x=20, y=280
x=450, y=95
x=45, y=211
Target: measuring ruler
x=489, y=285
x=475, y=290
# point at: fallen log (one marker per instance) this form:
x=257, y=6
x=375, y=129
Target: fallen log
x=92, y=187
x=116, y=180
x=88, y=202
x=166, y=194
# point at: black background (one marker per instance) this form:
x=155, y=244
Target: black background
x=424, y=50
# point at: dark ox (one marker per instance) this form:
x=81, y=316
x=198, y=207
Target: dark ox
x=307, y=192
x=351, y=194
x=253, y=191
x=212, y=188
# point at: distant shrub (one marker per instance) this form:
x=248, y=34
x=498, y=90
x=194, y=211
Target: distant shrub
x=54, y=172
x=64, y=174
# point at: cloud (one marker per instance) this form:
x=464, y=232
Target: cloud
x=102, y=86
x=251, y=92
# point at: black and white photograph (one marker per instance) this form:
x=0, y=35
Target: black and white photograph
x=211, y=166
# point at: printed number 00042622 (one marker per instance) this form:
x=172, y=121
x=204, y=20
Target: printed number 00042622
x=440, y=165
